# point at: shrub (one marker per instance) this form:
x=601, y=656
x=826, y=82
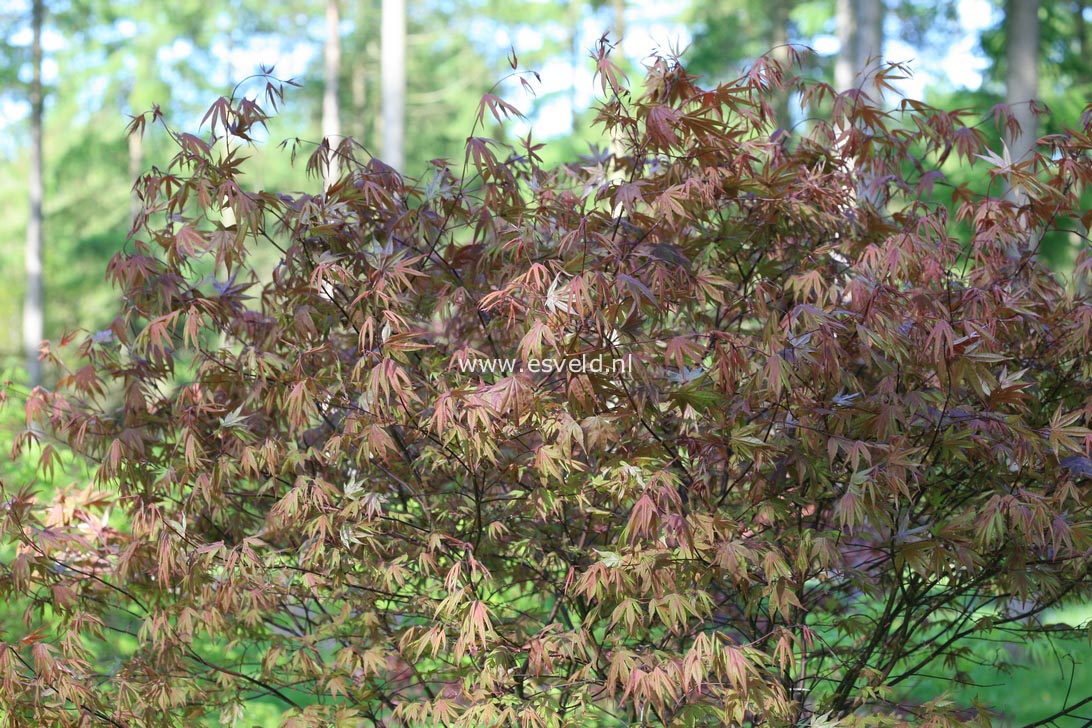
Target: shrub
x=843, y=444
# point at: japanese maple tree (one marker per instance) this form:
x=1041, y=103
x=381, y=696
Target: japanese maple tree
x=847, y=439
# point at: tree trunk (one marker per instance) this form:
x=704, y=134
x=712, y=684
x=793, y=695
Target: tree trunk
x=33, y=305
x=1022, y=77
x=860, y=34
x=393, y=70
x=860, y=31
x=779, y=51
x=845, y=21
x=358, y=87
x=331, y=112
x=1021, y=87
x=574, y=59
x=619, y=9
x=870, y=35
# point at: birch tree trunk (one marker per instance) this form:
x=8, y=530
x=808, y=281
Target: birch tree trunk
x=860, y=34
x=860, y=31
x=34, y=303
x=393, y=77
x=358, y=88
x=574, y=8
x=845, y=22
x=331, y=111
x=779, y=50
x=869, y=35
x=1022, y=77
x=618, y=8
x=1021, y=87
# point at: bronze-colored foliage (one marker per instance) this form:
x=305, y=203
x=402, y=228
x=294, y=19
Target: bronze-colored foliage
x=846, y=440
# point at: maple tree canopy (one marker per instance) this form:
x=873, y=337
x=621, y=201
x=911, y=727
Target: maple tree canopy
x=850, y=445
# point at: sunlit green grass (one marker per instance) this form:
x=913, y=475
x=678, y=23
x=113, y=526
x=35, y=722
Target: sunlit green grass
x=1036, y=680
x=1050, y=677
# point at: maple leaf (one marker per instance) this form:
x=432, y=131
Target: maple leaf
x=558, y=297
x=661, y=124
x=1003, y=163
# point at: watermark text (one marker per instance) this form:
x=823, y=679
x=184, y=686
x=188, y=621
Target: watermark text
x=575, y=365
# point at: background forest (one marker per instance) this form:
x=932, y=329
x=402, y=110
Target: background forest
x=404, y=78
x=99, y=62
